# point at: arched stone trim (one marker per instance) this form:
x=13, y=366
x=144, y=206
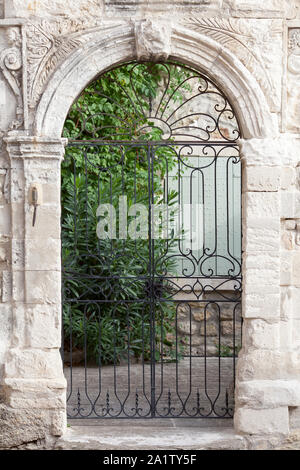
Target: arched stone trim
x=103, y=51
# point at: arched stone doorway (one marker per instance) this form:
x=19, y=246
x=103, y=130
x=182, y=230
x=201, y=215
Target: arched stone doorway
x=43, y=149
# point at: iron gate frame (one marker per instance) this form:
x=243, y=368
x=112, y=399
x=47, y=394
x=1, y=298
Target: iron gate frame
x=160, y=114
x=153, y=412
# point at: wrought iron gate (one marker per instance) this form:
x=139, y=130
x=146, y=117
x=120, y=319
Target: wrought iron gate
x=151, y=247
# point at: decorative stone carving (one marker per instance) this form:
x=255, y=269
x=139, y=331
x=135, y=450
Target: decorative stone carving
x=68, y=39
x=11, y=67
x=78, y=8
x=152, y=39
x=253, y=43
x=48, y=43
x=51, y=39
x=293, y=64
x=298, y=234
x=294, y=51
x=4, y=190
x=266, y=9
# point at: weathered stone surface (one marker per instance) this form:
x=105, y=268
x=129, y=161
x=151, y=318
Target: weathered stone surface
x=259, y=151
x=261, y=234
x=229, y=328
x=148, y=437
x=269, y=393
x=215, y=314
x=286, y=258
x=261, y=305
x=33, y=364
x=263, y=421
x=43, y=287
x=22, y=426
x=289, y=207
x=152, y=40
x=37, y=326
x=6, y=333
x=47, y=222
x=290, y=301
x=35, y=393
x=293, y=70
x=261, y=178
x=287, y=177
x=295, y=275
x=209, y=329
x=59, y=423
x=259, y=364
x=262, y=204
x=44, y=255
x=294, y=413
x=261, y=335
x=287, y=240
x=187, y=327
x=251, y=50
x=196, y=340
x=200, y=314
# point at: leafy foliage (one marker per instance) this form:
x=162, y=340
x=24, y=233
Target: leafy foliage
x=106, y=282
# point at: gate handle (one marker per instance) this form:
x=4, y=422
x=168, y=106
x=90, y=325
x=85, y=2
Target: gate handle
x=35, y=199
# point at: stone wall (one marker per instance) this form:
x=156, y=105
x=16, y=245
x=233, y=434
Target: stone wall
x=209, y=329
x=49, y=51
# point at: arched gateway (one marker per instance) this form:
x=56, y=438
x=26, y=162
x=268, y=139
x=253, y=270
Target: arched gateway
x=32, y=358
x=151, y=246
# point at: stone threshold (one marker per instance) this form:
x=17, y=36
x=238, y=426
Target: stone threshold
x=164, y=434
x=145, y=438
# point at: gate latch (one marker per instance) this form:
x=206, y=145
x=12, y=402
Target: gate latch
x=35, y=198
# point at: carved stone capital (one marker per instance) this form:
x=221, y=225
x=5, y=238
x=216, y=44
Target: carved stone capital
x=21, y=146
x=152, y=40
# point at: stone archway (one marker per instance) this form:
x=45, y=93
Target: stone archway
x=33, y=364
x=123, y=44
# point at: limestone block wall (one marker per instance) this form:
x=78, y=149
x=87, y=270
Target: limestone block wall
x=49, y=51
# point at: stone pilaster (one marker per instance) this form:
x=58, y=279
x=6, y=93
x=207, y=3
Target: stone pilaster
x=266, y=379
x=34, y=385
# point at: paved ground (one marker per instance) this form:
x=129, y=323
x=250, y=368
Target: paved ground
x=212, y=380
x=196, y=384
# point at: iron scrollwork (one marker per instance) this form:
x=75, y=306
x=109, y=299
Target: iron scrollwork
x=182, y=137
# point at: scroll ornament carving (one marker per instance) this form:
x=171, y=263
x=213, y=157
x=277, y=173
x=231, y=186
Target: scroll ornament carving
x=11, y=67
x=47, y=44
x=50, y=41
x=252, y=46
x=293, y=93
x=294, y=51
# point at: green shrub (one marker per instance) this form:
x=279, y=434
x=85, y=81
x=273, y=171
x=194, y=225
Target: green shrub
x=97, y=273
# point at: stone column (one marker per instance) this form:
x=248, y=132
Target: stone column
x=34, y=404
x=267, y=374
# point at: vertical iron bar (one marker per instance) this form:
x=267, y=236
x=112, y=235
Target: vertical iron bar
x=151, y=293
